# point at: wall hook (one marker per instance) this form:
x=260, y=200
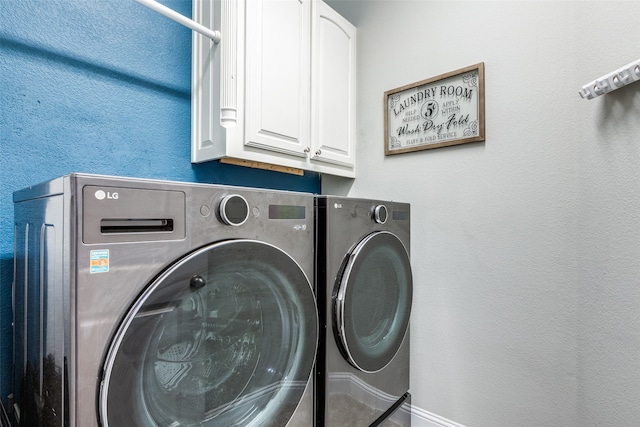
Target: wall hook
x=621, y=77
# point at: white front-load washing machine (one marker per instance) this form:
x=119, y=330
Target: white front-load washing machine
x=153, y=303
x=364, y=287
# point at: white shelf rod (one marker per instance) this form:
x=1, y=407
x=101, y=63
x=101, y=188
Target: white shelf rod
x=181, y=19
x=621, y=77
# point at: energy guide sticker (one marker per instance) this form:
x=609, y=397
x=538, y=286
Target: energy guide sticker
x=100, y=261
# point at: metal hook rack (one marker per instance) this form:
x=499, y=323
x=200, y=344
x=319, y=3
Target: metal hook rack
x=181, y=19
x=621, y=77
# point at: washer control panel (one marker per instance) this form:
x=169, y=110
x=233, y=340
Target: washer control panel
x=380, y=214
x=233, y=210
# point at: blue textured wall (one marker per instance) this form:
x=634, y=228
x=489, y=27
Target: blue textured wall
x=98, y=87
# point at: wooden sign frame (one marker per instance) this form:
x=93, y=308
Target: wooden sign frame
x=438, y=112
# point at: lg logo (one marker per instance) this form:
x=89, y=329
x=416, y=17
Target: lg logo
x=101, y=195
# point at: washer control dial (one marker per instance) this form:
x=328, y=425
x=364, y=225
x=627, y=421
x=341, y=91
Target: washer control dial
x=380, y=214
x=233, y=210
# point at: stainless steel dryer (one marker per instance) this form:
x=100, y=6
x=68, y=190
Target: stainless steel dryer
x=365, y=289
x=151, y=303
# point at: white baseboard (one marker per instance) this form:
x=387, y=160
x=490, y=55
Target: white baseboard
x=350, y=384
x=422, y=418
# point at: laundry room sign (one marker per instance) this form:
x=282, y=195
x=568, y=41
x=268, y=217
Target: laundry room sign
x=438, y=112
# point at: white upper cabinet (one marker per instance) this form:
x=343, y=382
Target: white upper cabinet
x=279, y=88
x=278, y=77
x=333, y=84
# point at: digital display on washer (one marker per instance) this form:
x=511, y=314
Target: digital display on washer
x=400, y=215
x=287, y=212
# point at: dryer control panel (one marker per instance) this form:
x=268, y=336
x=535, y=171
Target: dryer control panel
x=380, y=214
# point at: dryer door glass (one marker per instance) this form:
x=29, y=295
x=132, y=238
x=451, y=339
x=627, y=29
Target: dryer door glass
x=226, y=336
x=372, y=301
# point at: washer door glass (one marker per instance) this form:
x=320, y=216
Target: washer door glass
x=225, y=337
x=372, y=301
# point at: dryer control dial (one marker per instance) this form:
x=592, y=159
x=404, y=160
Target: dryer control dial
x=380, y=214
x=233, y=210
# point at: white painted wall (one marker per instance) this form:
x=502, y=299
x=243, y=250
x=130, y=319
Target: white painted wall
x=526, y=248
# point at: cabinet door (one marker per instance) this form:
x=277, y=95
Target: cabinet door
x=334, y=87
x=278, y=75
